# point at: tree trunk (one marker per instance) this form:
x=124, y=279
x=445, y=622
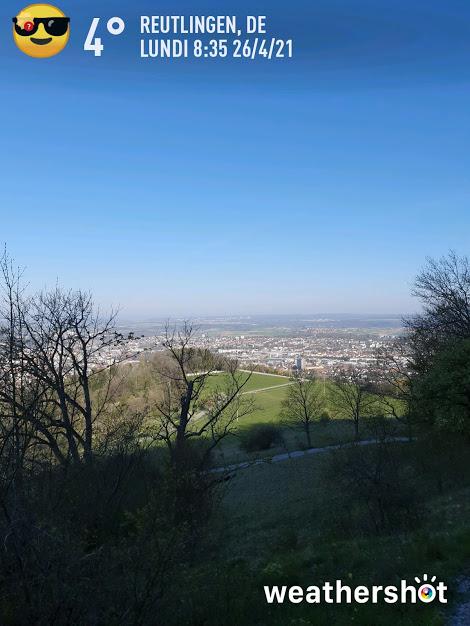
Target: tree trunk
x=309, y=437
x=179, y=457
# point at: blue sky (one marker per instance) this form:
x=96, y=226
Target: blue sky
x=184, y=188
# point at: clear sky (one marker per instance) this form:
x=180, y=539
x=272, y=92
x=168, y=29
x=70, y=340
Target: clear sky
x=184, y=188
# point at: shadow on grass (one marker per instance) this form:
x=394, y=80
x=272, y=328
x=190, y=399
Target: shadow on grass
x=264, y=440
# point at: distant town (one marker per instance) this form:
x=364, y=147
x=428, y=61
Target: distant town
x=317, y=345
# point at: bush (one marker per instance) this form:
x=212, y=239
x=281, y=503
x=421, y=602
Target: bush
x=287, y=539
x=260, y=437
x=375, y=492
x=110, y=516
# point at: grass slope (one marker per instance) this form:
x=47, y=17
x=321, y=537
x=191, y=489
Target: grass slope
x=277, y=526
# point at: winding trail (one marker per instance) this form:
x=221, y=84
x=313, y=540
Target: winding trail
x=278, y=458
x=253, y=391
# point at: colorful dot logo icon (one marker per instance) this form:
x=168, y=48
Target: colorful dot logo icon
x=426, y=592
x=41, y=30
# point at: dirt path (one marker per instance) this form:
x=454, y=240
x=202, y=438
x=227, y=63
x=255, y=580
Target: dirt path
x=265, y=374
x=253, y=391
x=298, y=453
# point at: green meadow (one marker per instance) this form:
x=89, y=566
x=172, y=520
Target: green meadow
x=268, y=392
x=255, y=381
x=289, y=523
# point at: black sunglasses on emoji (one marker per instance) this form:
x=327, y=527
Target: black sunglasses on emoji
x=54, y=26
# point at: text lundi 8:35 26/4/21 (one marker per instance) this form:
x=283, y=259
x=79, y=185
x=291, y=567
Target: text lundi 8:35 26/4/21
x=256, y=48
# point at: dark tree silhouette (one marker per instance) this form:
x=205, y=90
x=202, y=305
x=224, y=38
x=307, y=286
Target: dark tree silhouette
x=352, y=395
x=191, y=407
x=443, y=288
x=303, y=404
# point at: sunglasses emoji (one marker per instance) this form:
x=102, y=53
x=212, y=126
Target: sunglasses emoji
x=41, y=30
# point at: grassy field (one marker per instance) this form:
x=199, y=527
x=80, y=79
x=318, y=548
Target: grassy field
x=335, y=431
x=255, y=383
x=278, y=525
x=294, y=522
x=268, y=393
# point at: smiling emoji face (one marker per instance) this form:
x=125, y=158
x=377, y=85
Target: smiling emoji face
x=41, y=30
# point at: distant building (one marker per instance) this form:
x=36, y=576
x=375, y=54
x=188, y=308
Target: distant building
x=299, y=364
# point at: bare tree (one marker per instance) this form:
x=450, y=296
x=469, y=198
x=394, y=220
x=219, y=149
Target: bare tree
x=194, y=403
x=55, y=346
x=443, y=287
x=352, y=395
x=18, y=394
x=395, y=381
x=303, y=404
x=68, y=344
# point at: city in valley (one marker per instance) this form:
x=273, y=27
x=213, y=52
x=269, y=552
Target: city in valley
x=309, y=343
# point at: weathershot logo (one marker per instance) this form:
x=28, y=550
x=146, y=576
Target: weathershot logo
x=425, y=590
